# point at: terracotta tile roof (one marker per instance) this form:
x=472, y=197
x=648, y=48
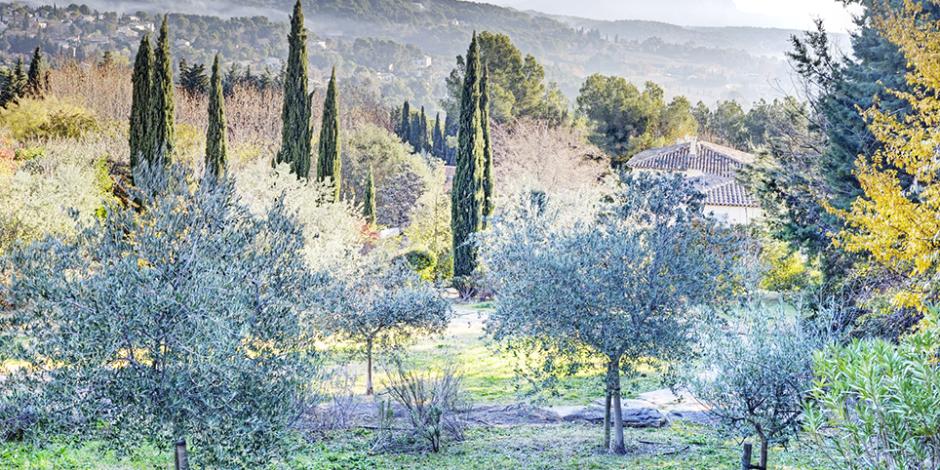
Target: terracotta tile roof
x=718, y=164
x=722, y=191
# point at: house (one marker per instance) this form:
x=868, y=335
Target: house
x=712, y=168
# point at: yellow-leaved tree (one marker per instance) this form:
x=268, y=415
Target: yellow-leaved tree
x=897, y=220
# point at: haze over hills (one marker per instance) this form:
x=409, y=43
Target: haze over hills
x=702, y=63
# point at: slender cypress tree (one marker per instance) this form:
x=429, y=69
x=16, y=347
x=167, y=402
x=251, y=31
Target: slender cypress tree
x=449, y=152
x=36, y=77
x=329, y=163
x=368, y=206
x=216, y=138
x=467, y=192
x=439, y=143
x=405, y=127
x=140, y=103
x=488, y=196
x=162, y=107
x=296, y=111
x=425, y=136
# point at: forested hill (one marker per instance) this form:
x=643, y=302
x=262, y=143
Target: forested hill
x=702, y=63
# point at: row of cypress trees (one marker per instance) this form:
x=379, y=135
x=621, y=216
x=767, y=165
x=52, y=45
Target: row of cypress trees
x=413, y=128
x=152, y=134
x=297, y=110
x=472, y=195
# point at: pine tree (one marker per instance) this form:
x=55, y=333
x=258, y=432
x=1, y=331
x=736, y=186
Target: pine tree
x=368, y=205
x=216, y=138
x=296, y=112
x=488, y=195
x=36, y=84
x=140, y=103
x=467, y=193
x=404, y=130
x=193, y=79
x=163, y=130
x=439, y=143
x=329, y=163
x=15, y=85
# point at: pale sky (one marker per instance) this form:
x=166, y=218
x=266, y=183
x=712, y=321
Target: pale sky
x=797, y=14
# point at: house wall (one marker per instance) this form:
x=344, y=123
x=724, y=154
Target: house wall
x=735, y=215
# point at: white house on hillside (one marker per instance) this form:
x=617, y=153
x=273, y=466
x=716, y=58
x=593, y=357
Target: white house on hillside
x=712, y=168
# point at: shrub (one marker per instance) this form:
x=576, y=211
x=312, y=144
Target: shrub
x=421, y=261
x=756, y=372
x=186, y=319
x=434, y=403
x=876, y=404
x=32, y=119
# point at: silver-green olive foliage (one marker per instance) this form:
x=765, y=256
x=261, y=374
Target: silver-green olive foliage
x=183, y=319
x=625, y=280
x=377, y=302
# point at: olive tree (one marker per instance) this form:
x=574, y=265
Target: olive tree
x=375, y=302
x=756, y=371
x=623, y=281
x=185, y=317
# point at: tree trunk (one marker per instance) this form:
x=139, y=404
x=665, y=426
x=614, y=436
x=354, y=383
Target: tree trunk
x=607, y=419
x=763, y=454
x=369, y=390
x=617, y=444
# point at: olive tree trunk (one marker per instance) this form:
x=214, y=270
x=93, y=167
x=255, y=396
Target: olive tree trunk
x=616, y=445
x=369, y=390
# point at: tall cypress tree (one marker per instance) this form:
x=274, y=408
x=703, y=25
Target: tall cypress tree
x=296, y=111
x=425, y=136
x=450, y=153
x=140, y=103
x=36, y=77
x=162, y=106
x=216, y=138
x=329, y=163
x=467, y=192
x=488, y=195
x=368, y=205
x=404, y=130
x=438, y=144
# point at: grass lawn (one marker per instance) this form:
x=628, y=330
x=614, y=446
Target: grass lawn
x=489, y=378
x=562, y=446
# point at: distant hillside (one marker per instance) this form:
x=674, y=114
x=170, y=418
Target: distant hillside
x=702, y=63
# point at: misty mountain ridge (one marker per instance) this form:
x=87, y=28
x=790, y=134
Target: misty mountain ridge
x=702, y=63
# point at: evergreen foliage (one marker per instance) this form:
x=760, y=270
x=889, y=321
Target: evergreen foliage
x=37, y=78
x=467, y=193
x=329, y=161
x=162, y=129
x=15, y=84
x=404, y=128
x=368, y=204
x=489, y=198
x=296, y=111
x=193, y=79
x=425, y=139
x=216, y=134
x=438, y=141
x=140, y=123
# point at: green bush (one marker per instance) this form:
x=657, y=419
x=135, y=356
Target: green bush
x=421, y=261
x=32, y=119
x=876, y=405
x=186, y=320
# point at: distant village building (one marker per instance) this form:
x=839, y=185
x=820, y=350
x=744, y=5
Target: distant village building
x=712, y=169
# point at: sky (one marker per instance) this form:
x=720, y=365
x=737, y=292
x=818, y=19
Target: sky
x=795, y=14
